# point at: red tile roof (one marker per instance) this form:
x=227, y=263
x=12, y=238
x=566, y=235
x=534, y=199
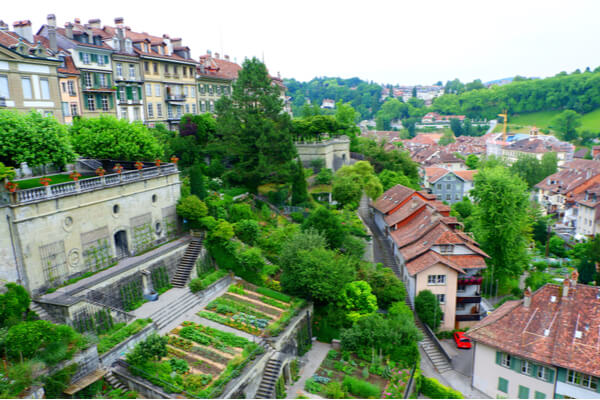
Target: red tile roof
x=433, y=174
x=11, y=39
x=466, y=175
x=546, y=330
x=391, y=198
x=430, y=259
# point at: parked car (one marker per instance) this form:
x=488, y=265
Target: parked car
x=462, y=342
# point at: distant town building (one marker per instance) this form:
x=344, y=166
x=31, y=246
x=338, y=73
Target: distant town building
x=328, y=104
x=448, y=186
x=435, y=118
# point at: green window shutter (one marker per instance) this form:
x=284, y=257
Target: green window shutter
x=534, y=369
x=561, y=376
x=539, y=395
x=105, y=59
x=96, y=79
x=94, y=57
x=523, y=392
x=80, y=56
x=85, y=103
x=98, y=102
x=503, y=385
x=139, y=89
x=498, y=357
x=551, y=375
x=129, y=93
x=111, y=101
x=515, y=364
x=108, y=80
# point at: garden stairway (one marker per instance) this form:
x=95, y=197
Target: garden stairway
x=43, y=314
x=266, y=390
x=188, y=262
x=183, y=302
x=114, y=382
x=439, y=361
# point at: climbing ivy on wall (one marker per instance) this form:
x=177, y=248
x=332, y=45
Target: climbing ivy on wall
x=131, y=295
x=204, y=264
x=143, y=237
x=160, y=279
x=97, y=256
x=170, y=227
x=304, y=342
x=99, y=321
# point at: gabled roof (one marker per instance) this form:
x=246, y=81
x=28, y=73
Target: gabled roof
x=217, y=67
x=430, y=259
x=391, y=198
x=434, y=174
x=466, y=175
x=11, y=40
x=553, y=330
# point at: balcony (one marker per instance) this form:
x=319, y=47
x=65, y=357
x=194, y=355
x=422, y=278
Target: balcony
x=175, y=98
x=471, y=280
x=467, y=299
x=99, y=89
x=469, y=317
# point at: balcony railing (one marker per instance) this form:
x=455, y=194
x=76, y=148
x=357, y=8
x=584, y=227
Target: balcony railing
x=474, y=280
x=98, y=88
x=86, y=185
x=468, y=299
x=470, y=317
x=175, y=97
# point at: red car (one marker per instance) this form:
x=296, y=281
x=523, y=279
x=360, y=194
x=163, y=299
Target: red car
x=462, y=342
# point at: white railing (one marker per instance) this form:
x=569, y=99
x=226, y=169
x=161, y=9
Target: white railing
x=68, y=188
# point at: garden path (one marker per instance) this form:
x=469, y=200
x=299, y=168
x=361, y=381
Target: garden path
x=311, y=362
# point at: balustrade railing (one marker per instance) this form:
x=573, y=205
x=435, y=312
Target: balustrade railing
x=67, y=188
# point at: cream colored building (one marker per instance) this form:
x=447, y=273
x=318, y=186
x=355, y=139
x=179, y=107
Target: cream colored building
x=441, y=281
x=62, y=231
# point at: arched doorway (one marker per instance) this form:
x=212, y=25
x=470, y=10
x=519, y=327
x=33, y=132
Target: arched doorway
x=121, y=244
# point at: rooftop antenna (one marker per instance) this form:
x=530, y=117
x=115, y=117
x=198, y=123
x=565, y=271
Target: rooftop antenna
x=505, y=116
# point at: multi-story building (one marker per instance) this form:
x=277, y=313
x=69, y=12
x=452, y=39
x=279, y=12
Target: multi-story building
x=169, y=77
x=588, y=211
x=432, y=253
x=543, y=346
x=214, y=76
x=69, y=78
x=28, y=72
x=92, y=57
x=126, y=72
x=449, y=186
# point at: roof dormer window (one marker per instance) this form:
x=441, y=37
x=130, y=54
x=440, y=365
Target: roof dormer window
x=128, y=47
x=116, y=44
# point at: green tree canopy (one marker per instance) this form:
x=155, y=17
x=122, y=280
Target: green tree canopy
x=362, y=173
x=328, y=223
x=446, y=138
x=566, y=123
x=255, y=130
x=428, y=309
x=532, y=170
x=34, y=139
x=358, y=300
x=112, y=138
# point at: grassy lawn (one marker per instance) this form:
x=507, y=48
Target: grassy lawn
x=320, y=189
x=59, y=178
x=543, y=119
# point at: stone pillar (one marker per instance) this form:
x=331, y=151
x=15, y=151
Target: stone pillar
x=147, y=288
x=287, y=374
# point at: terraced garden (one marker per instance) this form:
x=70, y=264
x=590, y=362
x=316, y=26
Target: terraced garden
x=253, y=309
x=200, y=361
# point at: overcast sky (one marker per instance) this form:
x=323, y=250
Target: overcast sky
x=404, y=42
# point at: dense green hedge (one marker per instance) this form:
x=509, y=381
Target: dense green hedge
x=360, y=388
x=198, y=284
x=431, y=388
x=116, y=336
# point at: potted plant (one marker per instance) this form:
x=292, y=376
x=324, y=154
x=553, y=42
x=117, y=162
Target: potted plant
x=11, y=186
x=45, y=181
x=100, y=171
x=118, y=168
x=139, y=165
x=157, y=162
x=174, y=159
x=75, y=175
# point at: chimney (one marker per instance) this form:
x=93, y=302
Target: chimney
x=3, y=26
x=226, y=57
x=119, y=22
x=565, y=292
x=216, y=55
x=120, y=34
x=23, y=29
x=527, y=297
x=69, y=30
x=574, y=278
x=52, y=32
x=89, y=33
x=77, y=21
x=176, y=42
x=95, y=23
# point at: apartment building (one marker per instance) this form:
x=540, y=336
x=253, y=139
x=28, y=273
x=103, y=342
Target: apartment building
x=448, y=186
x=214, y=77
x=588, y=211
x=433, y=253
x=92, y=57
x=543, y=346
x=28, y=72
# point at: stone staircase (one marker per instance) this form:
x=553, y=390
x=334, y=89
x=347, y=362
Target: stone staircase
x=43, y=314
x=266, y=389
x=185, y=301
x=188, y=262
x=439, y=360
x=114, y=382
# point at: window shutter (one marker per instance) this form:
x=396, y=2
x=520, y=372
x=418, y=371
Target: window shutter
x=96, y=79
x=534, y=370
x=498, y=357
x=503, y=385
x=139, y=89
x=85, y=103
x=515, y=364
x=129, y=93
x=523, y=392
x=94, y=57
x=108, y=80
x=111, y=101
x=105, y=59
x=98, y=102
x=550, y=375
x=80, y=56
x=539, y=395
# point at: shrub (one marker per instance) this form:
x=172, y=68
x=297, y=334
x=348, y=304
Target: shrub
x=428, y=309
x=116, y=336
x=178, y=365
x=198, y=284
x=333, y=390
x=332, y=354
x=273, y=294
x=360, y=388
x=431, y=388
x=297, y=217
x=312, y=386
x=247, y=231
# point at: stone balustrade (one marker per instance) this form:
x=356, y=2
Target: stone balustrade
x=85, y=185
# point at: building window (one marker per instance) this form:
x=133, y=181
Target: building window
x=91, y=103
x=45, y=86
x=184, y=71
x=577, y=378
x=446, y=249
x=441, y=279
x=134, y=94
x=503, y=385
x=64, y=87
x=505, y=360
x=194, y=109
x=100, y=60
x=166, y=68
x=4, y=92
x=155, y=68
x=88, y=79
x=526, y=367
x=169, y=111
x=136, y=113
x=185, y=89
x=212, y=106
x=201, y=89
x=124, y=113
x=438, y=186
x=159, y=110
x=74, y=111
x=187, y=108
x=175, y=69
x=203, y=106
x=128, y=46
x=219, y=90
x=448, y=196
x=210, y=89
x=431, y=279
x=179, y=108
x=441, y=298
x=122, y=96
x=523, y=392
x=104, y=103
x=132, y=71
x=157, y=90
x=85, y=57
x=119, y=70
x=448, y=186
x=65, y=109
x=543, y=373
x=26, y=83
x=225, y=90
x=71, y=88
x=102, y=80
x=146, y=66
x=150, y=110
x=192, y=92
x=148, y=89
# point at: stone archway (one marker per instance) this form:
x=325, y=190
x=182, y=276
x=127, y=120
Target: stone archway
x=122, y=250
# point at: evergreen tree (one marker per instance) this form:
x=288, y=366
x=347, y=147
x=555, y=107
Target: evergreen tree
x=255, y=130
x=197, y=182
x=299, y=190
